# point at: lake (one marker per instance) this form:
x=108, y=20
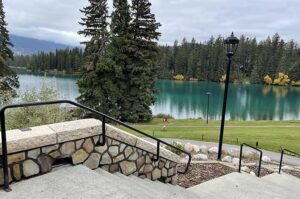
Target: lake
x=189, y=99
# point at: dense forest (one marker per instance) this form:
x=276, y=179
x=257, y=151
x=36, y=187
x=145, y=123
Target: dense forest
x=196, y=60
x=68, y=60
x=252, y=61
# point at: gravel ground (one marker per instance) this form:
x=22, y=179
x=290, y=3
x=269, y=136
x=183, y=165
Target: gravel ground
x=293, y=173
x=199, y=173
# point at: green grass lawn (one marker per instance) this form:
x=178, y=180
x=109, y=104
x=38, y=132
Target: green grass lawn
x=271, y=135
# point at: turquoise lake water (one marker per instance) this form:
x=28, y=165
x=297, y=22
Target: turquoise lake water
x=189, y=99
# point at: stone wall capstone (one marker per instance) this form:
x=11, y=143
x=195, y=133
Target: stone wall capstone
x=38, y=150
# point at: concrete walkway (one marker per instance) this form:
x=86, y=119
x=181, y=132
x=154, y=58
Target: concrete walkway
x=274, y=156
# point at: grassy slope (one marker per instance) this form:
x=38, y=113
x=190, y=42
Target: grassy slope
x=271, y=135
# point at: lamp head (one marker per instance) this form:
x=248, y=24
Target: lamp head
x=231, y=44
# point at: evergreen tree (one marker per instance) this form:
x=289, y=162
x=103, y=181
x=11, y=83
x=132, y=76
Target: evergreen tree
x=97, y=84
x=120, y=47
x=181, y=60
x=208, y=60
x=95, y=23
x=141, y=71
x=253, y=56
x=174, y=55
x=192, y=60
x=8, y=78
x=165, y=57
x=218, y=59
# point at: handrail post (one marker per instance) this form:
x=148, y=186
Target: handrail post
x=281, y=158
x=4, y=153
x=282, y=154
x=240, y=161
x=102, y=143
x=157, y=152
x=259, y=165
x=188, y=164
x=260, y=158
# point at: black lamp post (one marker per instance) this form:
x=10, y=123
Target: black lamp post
x=231, y=44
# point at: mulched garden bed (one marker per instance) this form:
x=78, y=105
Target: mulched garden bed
x=293, y=173
x=199, y=173
x=263, y=171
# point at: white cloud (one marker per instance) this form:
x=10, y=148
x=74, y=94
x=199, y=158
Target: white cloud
x=57, y=20
x=52, y=20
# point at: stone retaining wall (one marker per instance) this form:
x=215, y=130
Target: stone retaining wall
x=37, y=150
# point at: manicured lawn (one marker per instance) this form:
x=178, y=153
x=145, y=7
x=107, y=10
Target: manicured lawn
x=271, y=135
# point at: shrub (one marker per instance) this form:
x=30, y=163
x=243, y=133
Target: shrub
x=162, y=115
x=8, y=84
x=294, y=83
x=223, y=78
x=282, y=80
x=40, y=115
x=175, y=144
x=268, y=80
x=179, y=77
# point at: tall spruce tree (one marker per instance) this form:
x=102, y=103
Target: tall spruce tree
x=97, y=84
x=8, y=78
x=120, y=47
x=142, y=70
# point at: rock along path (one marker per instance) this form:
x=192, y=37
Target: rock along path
x=274, y=156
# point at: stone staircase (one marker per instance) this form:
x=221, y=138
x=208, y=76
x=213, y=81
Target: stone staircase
x=79, y=182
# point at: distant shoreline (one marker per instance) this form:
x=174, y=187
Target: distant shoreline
x=24, y=70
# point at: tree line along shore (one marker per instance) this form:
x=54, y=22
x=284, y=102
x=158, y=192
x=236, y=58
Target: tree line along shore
x=254, y=62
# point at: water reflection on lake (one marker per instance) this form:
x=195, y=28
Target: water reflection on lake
x=245, y=102
x=189, y=99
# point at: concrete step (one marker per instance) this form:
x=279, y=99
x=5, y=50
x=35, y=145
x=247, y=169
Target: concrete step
x=285, y=181
x=79, y=182
x=246, y=186
x=130, y=186
x=158, y=189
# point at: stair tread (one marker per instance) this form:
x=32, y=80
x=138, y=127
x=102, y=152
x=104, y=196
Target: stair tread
x=153, y=189
x=77, y=182
x=236, y=185
x=158, y=189
x=285, y=181
x=134, y=187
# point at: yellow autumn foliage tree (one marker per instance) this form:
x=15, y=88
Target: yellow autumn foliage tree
x=282, y=80
x=223, y=78
x=296, y=83
x=268, y=80
x=179, y=77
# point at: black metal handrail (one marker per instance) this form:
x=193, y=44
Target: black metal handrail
x=281, y=158
x=241, y=155
x=104, y=117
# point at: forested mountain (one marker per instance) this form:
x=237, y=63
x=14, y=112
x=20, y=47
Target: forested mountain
x=28, y=46
x=252, y=61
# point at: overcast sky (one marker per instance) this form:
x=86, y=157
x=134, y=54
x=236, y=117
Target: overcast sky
x=57, y=20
